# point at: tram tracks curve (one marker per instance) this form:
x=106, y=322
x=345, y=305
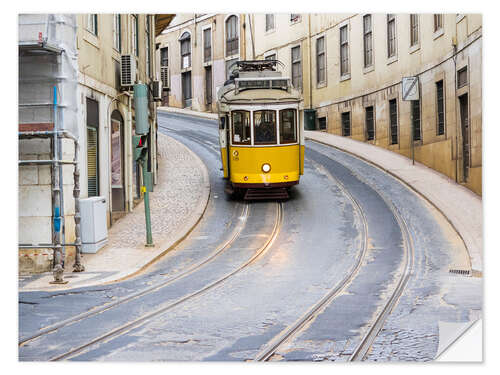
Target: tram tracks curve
x=377, y=324
x=128, y=298
x=152, y=314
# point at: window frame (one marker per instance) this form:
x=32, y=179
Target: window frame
x=298, y=62
x=414, y=30
x=270, y=22
x=250, y=125
x=227, y=55
x=276, y=115
x=367, y=34
x=205, y=30
x=117, y=32
x=391, y=24
x=295, y=120
x=344, y=43
x=296, y=19
x=92, y=24
x=185, y=39
x=321, y=55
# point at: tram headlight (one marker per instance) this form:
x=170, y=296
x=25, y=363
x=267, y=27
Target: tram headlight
x=266, y=168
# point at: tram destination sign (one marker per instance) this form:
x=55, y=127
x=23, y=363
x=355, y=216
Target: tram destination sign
x=410, y=88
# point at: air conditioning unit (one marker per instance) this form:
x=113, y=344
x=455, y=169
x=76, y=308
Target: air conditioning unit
x=128, y=70
x=164, y=77
x=157, y=91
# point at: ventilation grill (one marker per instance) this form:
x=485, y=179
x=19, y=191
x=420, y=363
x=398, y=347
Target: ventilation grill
x=128, y=70
x=460, y=272
x=164, y=77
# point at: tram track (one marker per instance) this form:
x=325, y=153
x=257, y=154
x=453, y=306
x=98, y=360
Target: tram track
x=97, y=310
x=152, y=314
x=218, y=251
x=377, y=324
x=270, y=349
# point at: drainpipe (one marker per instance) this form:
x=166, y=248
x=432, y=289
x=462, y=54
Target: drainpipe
x=310, y=62
x=455, y=100
x=58, y=261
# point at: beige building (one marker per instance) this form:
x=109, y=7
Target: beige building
x=79, y=56
x=350, y=67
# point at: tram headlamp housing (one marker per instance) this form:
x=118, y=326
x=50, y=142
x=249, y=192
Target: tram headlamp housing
x=266, y=168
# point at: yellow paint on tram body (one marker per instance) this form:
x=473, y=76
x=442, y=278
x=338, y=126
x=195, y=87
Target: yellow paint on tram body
x=285, y=161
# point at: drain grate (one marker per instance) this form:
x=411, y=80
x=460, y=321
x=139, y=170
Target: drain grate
x=460, y=272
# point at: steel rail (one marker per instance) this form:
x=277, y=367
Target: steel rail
x=218, y=251
x=366, y=342
x=268, y=351
x=146, y=317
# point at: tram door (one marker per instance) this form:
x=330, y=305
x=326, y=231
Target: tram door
x=224, y=143
x=464, y=120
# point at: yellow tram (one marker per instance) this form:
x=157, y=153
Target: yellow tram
x=261, y=131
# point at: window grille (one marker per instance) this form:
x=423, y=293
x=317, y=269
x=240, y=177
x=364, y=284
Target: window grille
x=370, y=123
x=440, y=107
x=415, y=111
x=393, y=120
x=346, y=124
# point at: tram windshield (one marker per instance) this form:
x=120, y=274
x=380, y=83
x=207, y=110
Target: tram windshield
x=241, y=127
x=288, y=127
x=264, y=127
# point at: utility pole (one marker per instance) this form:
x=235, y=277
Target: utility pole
x=141, y=150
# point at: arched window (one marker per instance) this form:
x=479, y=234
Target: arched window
x=185, y=41
x=232, y=37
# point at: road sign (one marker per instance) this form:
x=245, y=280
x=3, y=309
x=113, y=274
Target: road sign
x=410, y=88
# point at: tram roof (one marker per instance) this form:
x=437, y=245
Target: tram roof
x=261, y=96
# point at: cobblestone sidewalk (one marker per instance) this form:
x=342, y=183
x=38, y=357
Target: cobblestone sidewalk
x=177, y=203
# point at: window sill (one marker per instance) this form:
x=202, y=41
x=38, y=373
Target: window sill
x=295, y=22
x=437, y=33
x=414, y=48
x=460, y=17
x=271, y=31
x=368, y=69
x=321, y=85
x=184, y=70
x=237, y=56
x=207, y=63
x=91, y=39
x=345, y=77
x=392, y=59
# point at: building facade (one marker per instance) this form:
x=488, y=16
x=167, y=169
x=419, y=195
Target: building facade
x=79, y=56
x=349, y=68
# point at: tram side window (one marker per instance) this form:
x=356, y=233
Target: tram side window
x=264, y=130
x=288, y=127
x=241, y=127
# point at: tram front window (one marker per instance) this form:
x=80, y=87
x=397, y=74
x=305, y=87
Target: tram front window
x=241, y=127
x=288, y=127
x=264, y=127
